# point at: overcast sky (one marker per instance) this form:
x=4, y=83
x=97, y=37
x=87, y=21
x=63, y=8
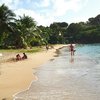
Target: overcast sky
x=46, y=12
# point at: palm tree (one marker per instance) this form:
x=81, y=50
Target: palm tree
x=6, y=18
x=26, y=30
x=6, y=21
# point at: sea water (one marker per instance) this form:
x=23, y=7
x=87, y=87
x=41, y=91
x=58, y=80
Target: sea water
x=67, y=77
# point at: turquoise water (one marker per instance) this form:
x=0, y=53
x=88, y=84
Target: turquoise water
x=67, y=77
x=90, y=50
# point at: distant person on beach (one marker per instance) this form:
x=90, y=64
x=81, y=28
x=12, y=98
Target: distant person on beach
x=24, y=56
x=71, y=49
x=18, y=57
x=47, y=47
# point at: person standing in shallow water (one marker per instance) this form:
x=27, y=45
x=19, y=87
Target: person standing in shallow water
x=72, y=49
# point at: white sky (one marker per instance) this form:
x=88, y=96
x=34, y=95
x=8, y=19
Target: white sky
x=46, y=12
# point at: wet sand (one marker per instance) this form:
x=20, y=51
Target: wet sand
x=17, y=76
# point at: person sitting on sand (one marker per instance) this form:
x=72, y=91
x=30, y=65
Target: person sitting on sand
x=24, y=56
x=18, y=57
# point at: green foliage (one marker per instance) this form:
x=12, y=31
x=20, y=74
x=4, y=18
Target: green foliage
x=57, y=32
x=25, y=31
x=94, y=21
x=83, y=33
x=6, y=22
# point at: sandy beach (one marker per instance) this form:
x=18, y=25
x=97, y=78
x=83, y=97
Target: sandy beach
x=17, y=76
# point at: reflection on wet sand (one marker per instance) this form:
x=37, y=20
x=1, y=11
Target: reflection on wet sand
x=72, y=59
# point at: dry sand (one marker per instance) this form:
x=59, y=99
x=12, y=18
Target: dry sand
x=17, y=76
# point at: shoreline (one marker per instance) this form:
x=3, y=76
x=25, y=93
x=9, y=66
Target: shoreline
x=17, y=76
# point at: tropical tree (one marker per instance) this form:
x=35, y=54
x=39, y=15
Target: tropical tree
x=25, y=30
x=45, y=34
x=58, y=30
x=6, y=22
x=94, y=20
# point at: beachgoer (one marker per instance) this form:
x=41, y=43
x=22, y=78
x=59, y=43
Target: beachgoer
x=24, y=56
x=72, y=49
x=18, y=57
x=47, y=47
